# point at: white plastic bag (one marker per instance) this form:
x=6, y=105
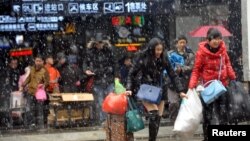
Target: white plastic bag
x=17, y=99
x=189, y=115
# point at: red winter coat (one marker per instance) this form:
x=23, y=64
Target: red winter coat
x=207, y=65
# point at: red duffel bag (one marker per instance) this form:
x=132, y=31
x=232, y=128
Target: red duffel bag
x=115, y=104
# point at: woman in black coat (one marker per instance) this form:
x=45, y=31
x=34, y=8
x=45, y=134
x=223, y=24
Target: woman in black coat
x=151, y=63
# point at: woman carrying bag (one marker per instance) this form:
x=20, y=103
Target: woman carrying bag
x=151, y=63
x=212, y=63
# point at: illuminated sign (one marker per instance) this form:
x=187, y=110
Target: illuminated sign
x=7, y=19
x=60, y=8
x=29, y=27
x=113, y=7
x=121, y=7
x=21, y=52
x=88, y=8
x=30, y=23
x=53, y=8
x=32, y=8
x=45, y=15
x=73, y=8
x=42, y=26
x=78, y=7
x=12, y=27
x=136, y=7
x=128, y=20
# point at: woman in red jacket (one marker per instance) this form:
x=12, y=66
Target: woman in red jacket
x=206, y=68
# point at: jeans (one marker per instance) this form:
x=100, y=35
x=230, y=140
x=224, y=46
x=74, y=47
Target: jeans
x=100, y=92
x=35, y=113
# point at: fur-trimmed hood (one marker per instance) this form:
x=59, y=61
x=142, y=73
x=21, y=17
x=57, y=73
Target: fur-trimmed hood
x=91, y=44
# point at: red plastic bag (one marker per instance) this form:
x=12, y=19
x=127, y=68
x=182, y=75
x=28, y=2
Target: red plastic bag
x=115, y=104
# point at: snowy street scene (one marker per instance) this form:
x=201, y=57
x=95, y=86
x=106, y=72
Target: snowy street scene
x=124, y=70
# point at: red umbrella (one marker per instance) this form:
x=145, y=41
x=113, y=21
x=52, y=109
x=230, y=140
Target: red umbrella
x=202, y=31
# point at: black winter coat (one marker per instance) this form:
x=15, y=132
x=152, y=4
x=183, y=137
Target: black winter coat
x=102, y=63
x=12, y=77
x=70, y=74
x=152, y=70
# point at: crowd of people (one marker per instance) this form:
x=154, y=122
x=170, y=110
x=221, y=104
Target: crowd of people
x=175, y=70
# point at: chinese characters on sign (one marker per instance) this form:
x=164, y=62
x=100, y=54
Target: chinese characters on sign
x=45, y=15
x=88, y=8
x=56, y=8
x=76, y=8
x=29, y=27
x=53, y=8
x=31, y=23
x=136, y=7
x=118, y=7
x=45, y=7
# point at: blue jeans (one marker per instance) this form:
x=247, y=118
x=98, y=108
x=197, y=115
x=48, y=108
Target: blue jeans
x=100, y=92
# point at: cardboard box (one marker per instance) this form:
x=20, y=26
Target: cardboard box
x=70, y=97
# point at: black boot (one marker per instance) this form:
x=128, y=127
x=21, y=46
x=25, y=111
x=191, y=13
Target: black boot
x=205, y=130
x=153, y=125
x=158, y=121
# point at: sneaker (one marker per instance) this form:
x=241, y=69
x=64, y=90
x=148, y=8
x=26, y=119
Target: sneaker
x=32, y=126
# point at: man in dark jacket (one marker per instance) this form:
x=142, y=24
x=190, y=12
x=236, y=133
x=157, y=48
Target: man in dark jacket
x=9, y=81
x=12, y=74
x=100, y=64
x=70, y=75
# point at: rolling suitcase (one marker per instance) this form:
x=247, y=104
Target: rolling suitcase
x=116, y=129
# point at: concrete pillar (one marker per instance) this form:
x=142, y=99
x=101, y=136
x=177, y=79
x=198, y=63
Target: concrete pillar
x=245, y=20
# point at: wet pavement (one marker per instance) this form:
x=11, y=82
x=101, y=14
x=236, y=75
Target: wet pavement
x=165, y=134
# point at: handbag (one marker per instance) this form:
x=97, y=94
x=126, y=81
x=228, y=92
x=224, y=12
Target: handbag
x=134, y=119
x=150, y=93
x=214, y=89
